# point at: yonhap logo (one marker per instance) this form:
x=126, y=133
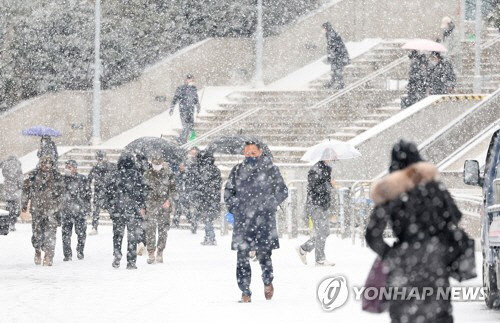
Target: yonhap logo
x=333, y=292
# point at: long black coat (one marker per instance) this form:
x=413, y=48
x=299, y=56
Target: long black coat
x=442, y=78
x=336, y=49
x=211, y=186
x=424, y=219
x=187, y=97
x=253, y=194
x=319, y=185
x=126, y=191
x=193, y=184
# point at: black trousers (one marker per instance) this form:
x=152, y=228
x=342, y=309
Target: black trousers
x=14, y=209
x=98, y=205
x=131, y=223
x=78, y=221
x=244, y=271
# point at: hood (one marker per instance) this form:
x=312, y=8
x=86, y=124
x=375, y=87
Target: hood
x=126, y=161
x=402, y=181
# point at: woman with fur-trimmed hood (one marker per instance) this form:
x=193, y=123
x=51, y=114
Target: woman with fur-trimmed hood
x=424, y=218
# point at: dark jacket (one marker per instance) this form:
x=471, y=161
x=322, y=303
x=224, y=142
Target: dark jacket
x=418, y=77
x=211, y=185
x=319, y=187
x=100, y=174
x=13, y=179
x=48, y=148
x=187, y=97
x=45, y=190
x=253, y=194
x=442, y=78
x=193, y=184
x=424, y=219
x=126, y=191
x=336, y=49
x=77, y=194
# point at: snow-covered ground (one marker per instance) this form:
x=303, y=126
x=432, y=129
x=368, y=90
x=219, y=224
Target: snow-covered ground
x=195, y=284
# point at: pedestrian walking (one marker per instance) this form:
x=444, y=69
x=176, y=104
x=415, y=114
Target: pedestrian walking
x=100, y=176
x=160, y=183
x=193, y=188
x=337, y=56
x=253, y=192
x=127, y=199
x=417, y=80
x=43, y=190
x=186, y=96
x=319, y=192
x=75, y=208
x=441, y=78
x=424, y=219
x=48, y=148
x=12, y=188
x=211, y=186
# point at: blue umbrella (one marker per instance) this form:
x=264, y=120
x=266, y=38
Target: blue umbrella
x=41, y=131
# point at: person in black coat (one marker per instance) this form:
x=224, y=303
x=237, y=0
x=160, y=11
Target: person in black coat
x=441, y=78
x=75, y=207
x=319, y=190
x=424, y=219
x=187, y=97
x=100, y=176
x=48, y=148
x=253, y=192
x=211, y=185
x=193, y=189
x=127, y=199
x=337, y=56
x=417, y=80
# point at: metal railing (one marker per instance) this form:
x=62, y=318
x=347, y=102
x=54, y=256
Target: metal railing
x=318, y=105
x=351, y=208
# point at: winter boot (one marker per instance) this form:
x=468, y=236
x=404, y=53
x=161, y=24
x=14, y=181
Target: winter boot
x=80, y=255
x=324, y=263
x=38, y=257
x=151, y=257
x=268, y=291
x=245, y=299
x=67, y=259
x=93, y=232
x=208, y=243
x=131, y=265
x=140, y=249
x=47, y=259
x=116, y=263
x=302, y=255
x=159, y=256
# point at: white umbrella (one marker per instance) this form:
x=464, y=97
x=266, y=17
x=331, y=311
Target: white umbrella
x=425, y=45
x=331, y=150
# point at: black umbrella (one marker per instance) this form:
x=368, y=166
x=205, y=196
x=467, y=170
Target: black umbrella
x=234, y=145
x=151, y=146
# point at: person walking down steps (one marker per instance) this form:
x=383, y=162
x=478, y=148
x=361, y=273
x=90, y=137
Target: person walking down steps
x=186, y=96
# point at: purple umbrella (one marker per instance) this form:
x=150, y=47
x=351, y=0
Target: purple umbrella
x=41, y=131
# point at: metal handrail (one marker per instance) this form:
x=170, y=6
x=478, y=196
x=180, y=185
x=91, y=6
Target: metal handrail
x=452, y=124
x=320, y=104
x=360, y=82
x=490, y=43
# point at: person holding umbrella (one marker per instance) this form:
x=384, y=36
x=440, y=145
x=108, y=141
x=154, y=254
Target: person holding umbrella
x=442, y=78
x=43, y=190
x=253, y=192
x=47, y=146
x=319, y=189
